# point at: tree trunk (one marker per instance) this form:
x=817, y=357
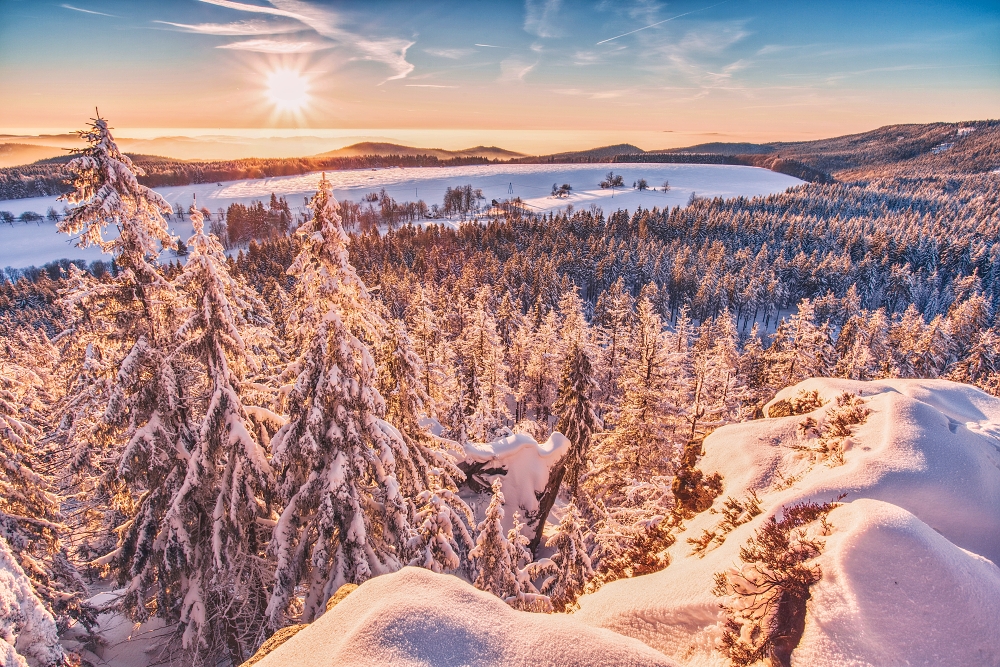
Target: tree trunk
x=546, y=500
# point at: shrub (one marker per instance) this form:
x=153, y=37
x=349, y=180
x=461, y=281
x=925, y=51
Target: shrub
x=802, y=403
x=831, y=433
x=765, y=599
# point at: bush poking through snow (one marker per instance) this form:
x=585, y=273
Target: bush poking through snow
x=802, y=403
x=765, y=599
x=734, y=513
x=693, y=491
x=833, y=431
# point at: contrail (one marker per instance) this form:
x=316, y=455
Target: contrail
x=489, y=46
x=653, y=25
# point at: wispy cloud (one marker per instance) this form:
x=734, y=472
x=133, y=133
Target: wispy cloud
x=256, y=9
x=592, y=94
x=88, y=11
x=276, y=46
x=597, y=57
x=452, y=54
x=390, y=51
x=702, y=55
x=653, y=25
x=540, y=17
x=427, y=85
x=514, y=69
x=236, y=28
x=490, y=46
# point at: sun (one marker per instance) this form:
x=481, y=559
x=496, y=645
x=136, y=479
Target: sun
x=287, y=90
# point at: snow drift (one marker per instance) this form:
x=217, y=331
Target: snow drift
x=908, y=573
x=416, y=617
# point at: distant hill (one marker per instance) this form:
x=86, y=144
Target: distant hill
x=15, y=153
x=383, y=148
x=602, y=154
x=722, y=148
x=972, y=146
x=932, y=149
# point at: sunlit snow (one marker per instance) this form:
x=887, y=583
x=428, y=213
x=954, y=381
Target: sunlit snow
x=35, y=244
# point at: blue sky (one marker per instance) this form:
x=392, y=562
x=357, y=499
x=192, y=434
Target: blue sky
x=742, y=68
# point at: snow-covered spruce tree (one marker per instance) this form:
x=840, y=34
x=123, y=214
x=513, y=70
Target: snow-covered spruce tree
x=613, y=317
x=428, y=475
x=981, y=365
x=800, y=348
x=345, y=517
x=25, y=621
x=441, y=540
x=498, y=558
x=575, y=408
x=628, y=489
x=863, y=347
x=516, y=356
x=542, y=370
x=31, y=527
x=645, y=439
x=720, y=394
x=436, y=369
x=527, y=597
x=111, y=349
x=567, y=572
x=578, y=421
x=107, y=192
x=494, y=571
x=211, y=526
x=480, y=361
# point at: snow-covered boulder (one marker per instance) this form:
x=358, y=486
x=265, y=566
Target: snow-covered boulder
x=520, y=462
x=922, y=478
x=415, y=617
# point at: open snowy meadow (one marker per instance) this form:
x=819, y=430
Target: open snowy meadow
x=27, y=244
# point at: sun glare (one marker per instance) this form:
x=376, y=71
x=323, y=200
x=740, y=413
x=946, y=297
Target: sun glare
x=287, y=90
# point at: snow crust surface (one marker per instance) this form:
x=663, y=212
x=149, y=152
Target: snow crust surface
x=415, y=617
x=895, y=592
x=908, y=571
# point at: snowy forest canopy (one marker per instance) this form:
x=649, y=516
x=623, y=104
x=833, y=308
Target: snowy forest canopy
x=227, y=441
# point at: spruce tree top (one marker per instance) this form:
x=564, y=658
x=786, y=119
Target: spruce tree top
x=107, y=192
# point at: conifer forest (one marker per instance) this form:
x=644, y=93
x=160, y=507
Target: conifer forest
x=228, y=440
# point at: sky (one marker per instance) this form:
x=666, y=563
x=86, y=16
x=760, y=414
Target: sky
x=659, y=73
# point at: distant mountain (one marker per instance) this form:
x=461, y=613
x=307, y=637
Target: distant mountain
x=383, y=148
x=602, y=154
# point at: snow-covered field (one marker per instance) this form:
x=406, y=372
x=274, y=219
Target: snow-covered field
x=908, y=567
x=30, y=244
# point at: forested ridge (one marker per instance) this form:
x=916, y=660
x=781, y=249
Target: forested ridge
x=228, y=440
x=972, y=147
x=51, y=177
